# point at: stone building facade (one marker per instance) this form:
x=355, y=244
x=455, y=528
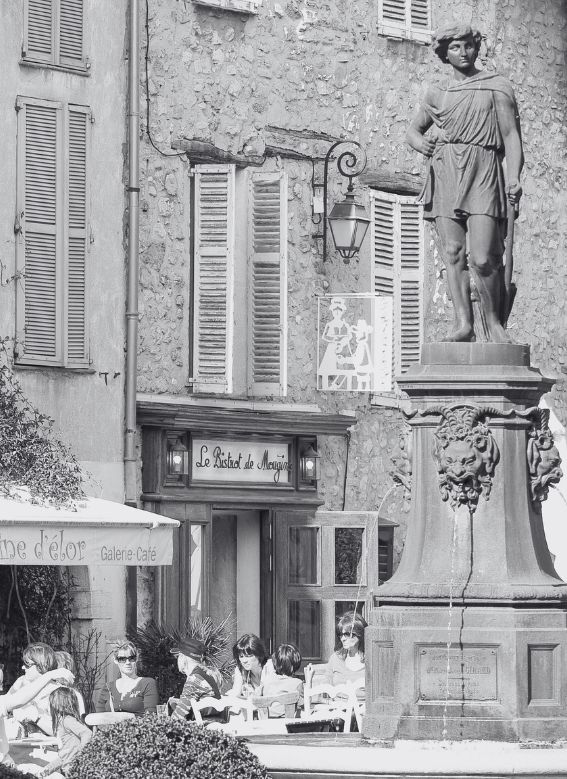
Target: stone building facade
x=266, y=88
x=63, y=86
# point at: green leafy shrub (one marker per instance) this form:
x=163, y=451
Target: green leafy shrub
x=12, y=773
x=154, y=747
x=154, y=642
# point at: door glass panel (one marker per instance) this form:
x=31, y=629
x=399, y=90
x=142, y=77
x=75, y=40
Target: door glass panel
x=344, y=606
x=303, y=555
x=304, y=626
x=348, y=554
x=196, y=569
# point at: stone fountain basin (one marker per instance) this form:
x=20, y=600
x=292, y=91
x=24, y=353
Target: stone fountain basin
x=330, y=756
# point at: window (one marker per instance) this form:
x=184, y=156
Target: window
x=51, y=233
x=405, y=19
x=397, y=269
x=240, y=259
x=53, y=33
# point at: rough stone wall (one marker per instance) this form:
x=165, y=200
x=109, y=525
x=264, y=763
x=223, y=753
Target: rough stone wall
x=321, y=67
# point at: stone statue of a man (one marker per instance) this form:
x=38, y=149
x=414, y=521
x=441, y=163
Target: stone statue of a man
x=475, y=125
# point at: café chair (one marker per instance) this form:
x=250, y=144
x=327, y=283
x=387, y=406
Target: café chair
x=287, y=701
x=221, y=705
x=106, y=719
x=330, y=702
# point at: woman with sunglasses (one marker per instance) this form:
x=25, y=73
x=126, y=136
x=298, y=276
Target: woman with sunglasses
x=130, y=692
x=346, y=664
x=252, y=666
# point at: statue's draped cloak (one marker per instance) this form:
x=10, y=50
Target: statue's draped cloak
x=465, y=174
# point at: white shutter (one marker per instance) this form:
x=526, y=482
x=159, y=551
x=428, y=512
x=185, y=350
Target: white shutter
x=398, y=256
x=420, y=15
x=410, y=274
x=76, y=234
x=267, y=241
x=71, y=33
x=405, y=19
x=39, y=244
x=213, y=278
x=39, y=43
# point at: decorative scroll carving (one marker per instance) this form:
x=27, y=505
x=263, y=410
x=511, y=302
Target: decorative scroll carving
x=466, y=454
x=544, y=460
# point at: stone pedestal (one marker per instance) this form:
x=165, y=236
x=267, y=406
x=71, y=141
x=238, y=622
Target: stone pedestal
x=468, y=639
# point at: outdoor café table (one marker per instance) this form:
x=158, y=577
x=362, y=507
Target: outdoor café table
x=33, y=752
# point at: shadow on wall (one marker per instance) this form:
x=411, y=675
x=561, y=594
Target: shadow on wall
x=555, y=507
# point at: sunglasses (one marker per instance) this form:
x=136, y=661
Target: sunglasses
x=347, y=635
x=127, y=659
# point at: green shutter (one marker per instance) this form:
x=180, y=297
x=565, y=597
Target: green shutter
x=78, y=124
x=398, y=256
x=39, y=207
x=71, y=33
x=39, y=43
x=267, y=241
x=405, y=19
x=213, y=278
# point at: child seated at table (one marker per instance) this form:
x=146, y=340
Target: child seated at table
x=73, y=735
x=286, y=660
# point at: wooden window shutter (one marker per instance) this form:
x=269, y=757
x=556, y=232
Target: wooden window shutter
x=405, y=19
x=39, y=240
x=39, y=42
x=398, y=256
x=213, y=278
x=78, y=122
x=420, y=15
x=267, y=269
x=71, y=33
x=410, y=288
x=383, y=246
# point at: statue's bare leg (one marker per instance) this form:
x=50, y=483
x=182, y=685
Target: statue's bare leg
x=452, y=235
x=486, y=247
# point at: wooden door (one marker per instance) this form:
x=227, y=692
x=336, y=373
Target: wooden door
x=325, y=563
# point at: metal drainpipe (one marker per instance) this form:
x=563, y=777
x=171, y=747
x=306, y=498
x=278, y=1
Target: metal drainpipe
x=130, y=460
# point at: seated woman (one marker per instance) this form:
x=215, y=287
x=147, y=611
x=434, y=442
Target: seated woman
x=252, y=666
x=346, y=664
x=286, y=661
x=130, y=692
x=201, y=681
x=37, y=659
x=16, y=699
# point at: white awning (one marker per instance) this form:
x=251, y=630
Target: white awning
x=99, y=532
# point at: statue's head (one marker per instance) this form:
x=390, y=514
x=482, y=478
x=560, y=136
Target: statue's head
x=454, y=32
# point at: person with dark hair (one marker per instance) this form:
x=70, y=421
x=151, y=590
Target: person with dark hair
x=38, y=659
x=475, y=125
x=252, y=666
x=16, y=699
x=202, y=679
x=346, y=664
x=130, y=692
x=286, y=661
x=66, y=724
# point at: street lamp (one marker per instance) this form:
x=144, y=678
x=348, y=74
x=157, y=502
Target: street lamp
x=309, y=464
x=348, y=220
x=177, y=457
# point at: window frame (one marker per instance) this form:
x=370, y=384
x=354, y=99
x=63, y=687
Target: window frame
x=62, y=232
x=398, y=276
x=405, y=31
x=54, y=60
x=240, y=299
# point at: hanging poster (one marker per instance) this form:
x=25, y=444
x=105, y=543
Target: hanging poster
x=354, y=343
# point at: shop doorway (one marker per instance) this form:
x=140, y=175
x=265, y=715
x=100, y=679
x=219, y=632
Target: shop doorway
x=235, y=586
